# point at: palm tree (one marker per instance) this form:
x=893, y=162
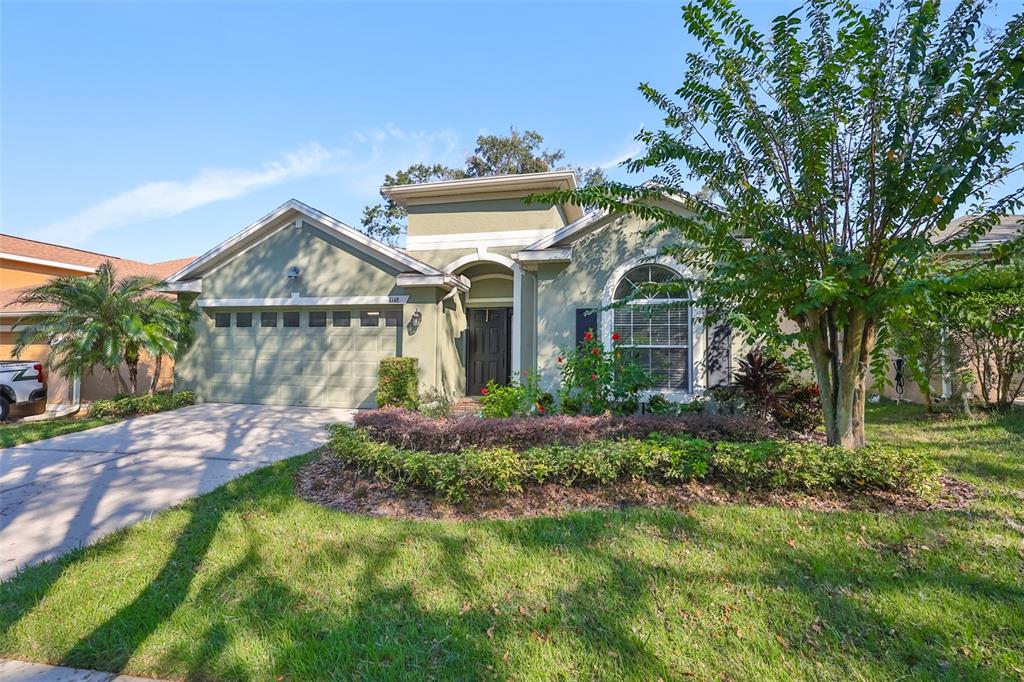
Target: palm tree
x=103, y=320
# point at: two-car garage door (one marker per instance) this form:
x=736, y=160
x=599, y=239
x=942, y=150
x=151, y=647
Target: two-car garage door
x=324, y=358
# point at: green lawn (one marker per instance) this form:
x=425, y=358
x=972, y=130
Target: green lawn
x=250, y=582
x=28, y=432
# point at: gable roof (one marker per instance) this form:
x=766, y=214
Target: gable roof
x=255, y=233
x=20, y=249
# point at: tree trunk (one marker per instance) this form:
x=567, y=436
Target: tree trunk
x=155, y=379
x=133, y=376
x=841, y=357
x=115, y=374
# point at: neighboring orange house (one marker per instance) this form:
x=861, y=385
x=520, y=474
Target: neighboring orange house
x=25, y=263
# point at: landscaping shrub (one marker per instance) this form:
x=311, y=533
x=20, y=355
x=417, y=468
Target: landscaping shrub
x=398, y=381
x=414, y=431
x=658, y=457
x=523, y=396
x=436, y=404
x=763, y=387
x=128, y=405
x=594, y=380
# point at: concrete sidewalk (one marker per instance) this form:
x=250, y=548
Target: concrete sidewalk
x=20, y=671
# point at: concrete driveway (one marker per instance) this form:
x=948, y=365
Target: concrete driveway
x=68, y=491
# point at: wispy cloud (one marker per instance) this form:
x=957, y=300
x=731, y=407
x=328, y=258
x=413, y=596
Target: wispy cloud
x=634, y=149
x=361, y=165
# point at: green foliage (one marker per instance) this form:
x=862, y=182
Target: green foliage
x=103, y=320
x=831, y=148
x=510, y=154
x=970, y=324
x=521, y=397
x=594, y=380
x=660, y=405
x=436, y=404
x=771, y=465
x=131, y=405
x=398, y=381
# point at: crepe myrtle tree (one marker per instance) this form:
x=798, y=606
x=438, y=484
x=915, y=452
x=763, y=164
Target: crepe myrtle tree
x=832, y=147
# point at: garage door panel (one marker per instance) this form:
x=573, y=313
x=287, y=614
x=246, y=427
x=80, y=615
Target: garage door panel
x=316, y=366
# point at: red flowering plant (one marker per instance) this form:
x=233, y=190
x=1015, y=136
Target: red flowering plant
x=522, y=396
x=595, y=380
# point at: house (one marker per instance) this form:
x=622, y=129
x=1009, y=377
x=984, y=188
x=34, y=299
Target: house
x=26, y=263
x=299, y=308
x=1008, y=229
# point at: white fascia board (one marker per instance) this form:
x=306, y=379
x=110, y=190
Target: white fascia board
x=299, y=301
x=190, y=286
x=472, y=240
x=568, y=231
x=48, y=263
x=494, y=183
x=544, y=256
x=445, y=281
x=317, y=219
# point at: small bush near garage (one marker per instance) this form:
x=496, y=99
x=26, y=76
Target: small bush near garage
x=398, y=383
x=764, y=465
x=129, y=405
x=414, y=431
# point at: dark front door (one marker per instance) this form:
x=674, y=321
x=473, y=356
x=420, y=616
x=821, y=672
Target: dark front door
x=487, y=347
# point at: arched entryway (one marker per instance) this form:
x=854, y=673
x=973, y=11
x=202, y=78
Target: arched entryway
x=489, y=310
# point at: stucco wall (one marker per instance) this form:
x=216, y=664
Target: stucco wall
x=491, y=215
x=329, y=267
x=562, y=288
x=15, y=275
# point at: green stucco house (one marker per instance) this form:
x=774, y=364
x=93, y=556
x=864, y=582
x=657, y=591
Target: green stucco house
x=299, y=308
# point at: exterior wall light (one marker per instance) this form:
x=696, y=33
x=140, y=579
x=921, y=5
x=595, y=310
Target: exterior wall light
x=414, y=322
x=294, y=272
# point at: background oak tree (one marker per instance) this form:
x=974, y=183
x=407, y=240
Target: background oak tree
x=511, y=154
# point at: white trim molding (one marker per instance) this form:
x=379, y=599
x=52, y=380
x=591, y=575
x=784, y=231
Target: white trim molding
x=545, y=256
x=481, y=256
x=697, y=342
x=568, y=231
x=235, y=245
x=298, y=301
x=411, y=281
x=517, y=319
x=48, y=263
x=473, y=240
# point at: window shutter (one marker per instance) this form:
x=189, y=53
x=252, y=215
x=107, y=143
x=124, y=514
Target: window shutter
x=719, y=355
x=586, y=319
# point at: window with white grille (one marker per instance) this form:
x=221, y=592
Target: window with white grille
x=654, y=325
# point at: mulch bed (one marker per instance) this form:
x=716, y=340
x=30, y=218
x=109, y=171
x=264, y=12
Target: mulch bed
x=328, y=482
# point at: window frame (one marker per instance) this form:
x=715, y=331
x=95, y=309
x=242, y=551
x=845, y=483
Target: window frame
x=345, y=315
x=239, y=317
x=309, y=319
x=693, y=384
x=285, y=317
x=263, y=319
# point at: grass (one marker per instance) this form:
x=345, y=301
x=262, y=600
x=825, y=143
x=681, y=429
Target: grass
x=250, y=582
x=28, y=432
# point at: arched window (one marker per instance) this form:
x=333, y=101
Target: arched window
x=654, y=326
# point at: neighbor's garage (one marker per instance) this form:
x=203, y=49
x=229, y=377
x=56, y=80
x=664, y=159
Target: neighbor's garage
x=316, y=357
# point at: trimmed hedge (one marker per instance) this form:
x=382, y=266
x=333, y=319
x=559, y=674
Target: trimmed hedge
x=130, y=405
x=767, y=465
x=414, y=431
x=398, y=383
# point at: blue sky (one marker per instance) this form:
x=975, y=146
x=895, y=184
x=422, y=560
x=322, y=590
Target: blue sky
x=155, y=130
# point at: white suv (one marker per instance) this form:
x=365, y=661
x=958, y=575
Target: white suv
x=21, y=383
